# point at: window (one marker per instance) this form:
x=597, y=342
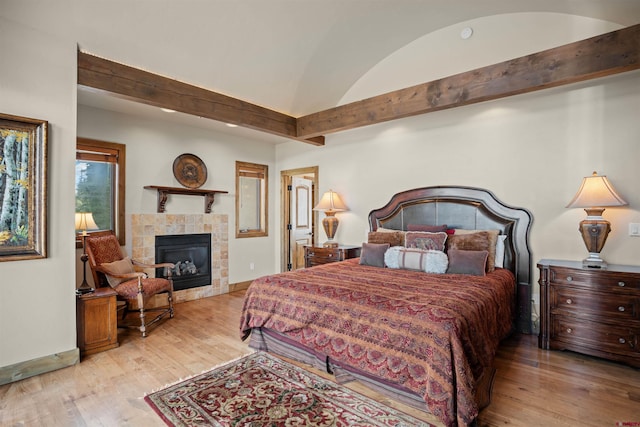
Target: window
x=100, y=184
x=251, y=199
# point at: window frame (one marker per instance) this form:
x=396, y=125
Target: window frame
x=111, y=152
x=258, y=171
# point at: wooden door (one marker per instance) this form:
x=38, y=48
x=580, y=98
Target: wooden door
x=301, y=219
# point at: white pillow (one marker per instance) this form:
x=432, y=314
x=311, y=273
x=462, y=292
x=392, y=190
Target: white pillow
x=429, y=261
x=500, y=250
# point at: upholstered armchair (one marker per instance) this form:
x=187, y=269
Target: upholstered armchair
x=110, y=267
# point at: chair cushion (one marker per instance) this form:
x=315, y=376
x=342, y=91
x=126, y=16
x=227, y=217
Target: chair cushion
x=150, y=287
x=122, y=266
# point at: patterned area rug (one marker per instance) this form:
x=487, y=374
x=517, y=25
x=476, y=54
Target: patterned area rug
x=262, y=390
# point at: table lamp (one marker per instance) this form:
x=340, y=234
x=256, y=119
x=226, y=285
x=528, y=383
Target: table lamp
x=330, y=204
x=84, y=222
x=595, y=193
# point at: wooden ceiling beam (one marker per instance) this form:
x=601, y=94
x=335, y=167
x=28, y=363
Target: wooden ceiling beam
x=159, y=91
x=603, y=55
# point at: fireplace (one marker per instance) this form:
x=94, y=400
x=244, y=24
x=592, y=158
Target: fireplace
x=191, y=254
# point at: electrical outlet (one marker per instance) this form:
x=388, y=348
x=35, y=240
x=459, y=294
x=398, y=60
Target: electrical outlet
x=634, y=229
x=252, y=266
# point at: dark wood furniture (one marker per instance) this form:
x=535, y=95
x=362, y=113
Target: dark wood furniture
x=315, y=255
x=132, y=286
x=591, y=311
x=163, y=194
x=96, y=321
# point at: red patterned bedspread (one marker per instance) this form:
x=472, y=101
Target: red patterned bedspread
x=430, y=333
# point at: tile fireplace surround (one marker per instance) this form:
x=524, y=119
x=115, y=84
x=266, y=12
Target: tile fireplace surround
x=145, y=228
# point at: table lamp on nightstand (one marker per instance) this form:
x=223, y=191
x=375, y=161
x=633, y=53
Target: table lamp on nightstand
x=84, y=222
x=595, y=193
x=330, y=204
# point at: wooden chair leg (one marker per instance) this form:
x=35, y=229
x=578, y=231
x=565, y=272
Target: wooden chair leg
x=170, y=298
x=143, y=327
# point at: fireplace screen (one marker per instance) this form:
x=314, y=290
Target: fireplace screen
x=191, y=254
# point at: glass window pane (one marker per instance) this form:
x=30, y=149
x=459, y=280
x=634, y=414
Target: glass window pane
x=250, y=194
x=95, y=188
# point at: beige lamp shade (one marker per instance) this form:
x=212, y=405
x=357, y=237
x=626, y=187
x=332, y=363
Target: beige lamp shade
x=330, y=204
x=595, y=193
x=331, y=201
x=85, y=221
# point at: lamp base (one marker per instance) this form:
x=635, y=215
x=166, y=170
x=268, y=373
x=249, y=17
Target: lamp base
x=594, y=261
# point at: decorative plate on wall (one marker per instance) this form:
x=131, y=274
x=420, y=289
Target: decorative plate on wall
x=190, y=170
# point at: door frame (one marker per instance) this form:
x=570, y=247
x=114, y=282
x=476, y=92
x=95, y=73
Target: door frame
x=286, y=176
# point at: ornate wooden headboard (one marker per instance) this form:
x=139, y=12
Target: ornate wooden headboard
x=474, y=209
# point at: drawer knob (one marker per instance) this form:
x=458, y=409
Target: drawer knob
x=569, y=301
x=569, y=279
x=569, y=330
x=621, y=308
x=330, y=255
x=622, y=340
x=621, y=284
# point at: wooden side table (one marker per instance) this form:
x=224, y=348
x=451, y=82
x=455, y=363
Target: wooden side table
x=590, y=311
x=96, y=321
x=315, y=255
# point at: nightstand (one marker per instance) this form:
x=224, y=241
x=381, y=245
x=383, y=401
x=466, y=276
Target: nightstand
x=96, y=321
x=316, y=255
x=591, y=311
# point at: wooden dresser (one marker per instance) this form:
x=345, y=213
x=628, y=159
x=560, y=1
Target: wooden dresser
x=590, y=311
x=316, y=255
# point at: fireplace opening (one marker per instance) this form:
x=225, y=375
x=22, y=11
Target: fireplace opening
x=191, y=254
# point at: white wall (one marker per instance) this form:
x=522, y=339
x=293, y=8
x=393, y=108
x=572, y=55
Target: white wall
x=152, y=147
x=37, y=301
x=531, y=150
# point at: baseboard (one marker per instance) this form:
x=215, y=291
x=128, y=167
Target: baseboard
x=41, y=365
x=233, y=287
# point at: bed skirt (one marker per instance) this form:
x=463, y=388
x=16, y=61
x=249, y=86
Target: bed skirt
x=278, y=344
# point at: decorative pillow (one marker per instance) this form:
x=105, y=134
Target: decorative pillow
x=373, y=254
x=386, y=230
x=476, y=240
x=425, y=240
x=467, y=262
x=416, y=259
x=122, y=266
x=393, y=238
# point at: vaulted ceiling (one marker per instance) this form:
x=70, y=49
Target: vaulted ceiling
x=295, y=57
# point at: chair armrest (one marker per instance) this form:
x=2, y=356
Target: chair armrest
x=168, y=266
x=162, y=264
x=121, y=276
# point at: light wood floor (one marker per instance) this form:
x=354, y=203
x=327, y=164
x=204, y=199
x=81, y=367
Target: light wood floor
x=532, y=387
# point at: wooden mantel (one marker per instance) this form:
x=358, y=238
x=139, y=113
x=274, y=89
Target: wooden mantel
x=163, y=193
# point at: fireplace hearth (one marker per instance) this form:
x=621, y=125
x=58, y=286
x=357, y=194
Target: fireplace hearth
x=191, y=254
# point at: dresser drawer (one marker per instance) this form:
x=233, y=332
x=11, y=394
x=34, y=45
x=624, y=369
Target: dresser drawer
x=579, y=302
x=325, y=254
x=603, y=280
x=317, y=255
x=568, y=332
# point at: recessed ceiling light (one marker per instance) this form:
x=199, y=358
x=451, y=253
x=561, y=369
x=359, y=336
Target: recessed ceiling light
x=168, y=110
x=466, y=33
x=231, y=125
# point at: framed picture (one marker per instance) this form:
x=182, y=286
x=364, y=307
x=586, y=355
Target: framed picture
x=23, y=188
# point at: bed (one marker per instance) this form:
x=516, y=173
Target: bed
x=426, y=339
